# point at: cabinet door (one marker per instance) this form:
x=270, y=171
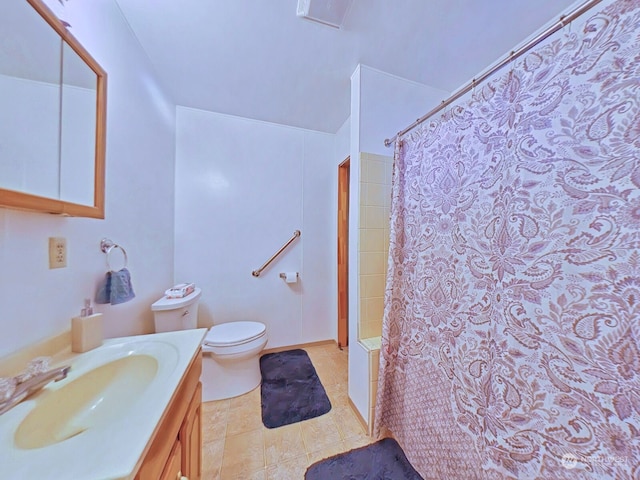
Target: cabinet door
x=191, y=438
x=172, y=469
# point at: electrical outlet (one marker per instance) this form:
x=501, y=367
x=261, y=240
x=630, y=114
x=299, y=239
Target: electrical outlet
x=57, y=252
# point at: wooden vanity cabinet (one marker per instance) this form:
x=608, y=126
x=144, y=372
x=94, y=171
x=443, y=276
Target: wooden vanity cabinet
x=173, y=468
x=176, y=447
x=190, y=437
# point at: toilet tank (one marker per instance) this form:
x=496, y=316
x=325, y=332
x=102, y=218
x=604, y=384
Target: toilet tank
x=170, y=314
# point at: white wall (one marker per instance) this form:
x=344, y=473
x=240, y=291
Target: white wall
x=38, y=302
x=242, y=188
x=388, y=104
x=381, y=105
x=343, y=142
x=358, y=356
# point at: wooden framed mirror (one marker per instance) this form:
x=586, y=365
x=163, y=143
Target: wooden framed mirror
x=52, y=116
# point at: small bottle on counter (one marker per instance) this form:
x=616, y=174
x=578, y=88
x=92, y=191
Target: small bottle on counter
x=86, y=330
x=87, y=309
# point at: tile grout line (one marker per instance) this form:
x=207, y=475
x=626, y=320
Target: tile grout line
x=224, y=438
x=264, y=448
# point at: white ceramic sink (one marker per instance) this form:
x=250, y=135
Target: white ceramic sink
x=97, y=422
x=96, y=398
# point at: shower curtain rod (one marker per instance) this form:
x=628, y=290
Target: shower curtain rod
x=564, y=20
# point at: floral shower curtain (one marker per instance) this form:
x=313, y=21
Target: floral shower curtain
x=512, y=316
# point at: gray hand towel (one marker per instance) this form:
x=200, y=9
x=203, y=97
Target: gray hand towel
x=121, y=288
x=103, y=295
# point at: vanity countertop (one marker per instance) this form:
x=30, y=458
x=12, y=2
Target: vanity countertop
x=110, y=447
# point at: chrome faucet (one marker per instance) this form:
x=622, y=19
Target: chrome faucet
x=23, y=386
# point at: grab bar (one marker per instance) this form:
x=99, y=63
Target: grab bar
x=256, y=273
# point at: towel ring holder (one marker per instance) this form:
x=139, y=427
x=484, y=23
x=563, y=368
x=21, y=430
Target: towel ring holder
x=107, y=246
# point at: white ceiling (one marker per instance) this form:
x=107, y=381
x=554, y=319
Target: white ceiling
x=257, y=59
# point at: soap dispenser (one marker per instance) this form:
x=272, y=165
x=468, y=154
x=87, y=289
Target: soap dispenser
x=86, y=330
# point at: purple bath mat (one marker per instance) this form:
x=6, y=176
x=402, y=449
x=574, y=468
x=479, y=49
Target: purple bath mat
x=383, y=460
x=291, y=390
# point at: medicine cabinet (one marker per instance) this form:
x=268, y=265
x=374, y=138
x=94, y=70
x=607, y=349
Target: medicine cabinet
x=52, y=115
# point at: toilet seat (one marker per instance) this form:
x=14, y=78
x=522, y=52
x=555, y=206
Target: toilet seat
x=234, y=333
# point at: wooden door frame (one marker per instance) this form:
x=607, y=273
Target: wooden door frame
x=343, y=253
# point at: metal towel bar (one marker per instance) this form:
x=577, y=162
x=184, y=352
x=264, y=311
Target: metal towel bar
x=107, y=246
x=256, y=273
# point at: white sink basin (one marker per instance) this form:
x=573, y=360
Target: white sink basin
x=97, y=422
x=94, y=399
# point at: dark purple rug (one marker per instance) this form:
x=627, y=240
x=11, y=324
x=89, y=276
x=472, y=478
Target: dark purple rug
x=383, y=460
x=291, y=390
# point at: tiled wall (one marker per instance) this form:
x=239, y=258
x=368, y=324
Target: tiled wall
x=375, y=202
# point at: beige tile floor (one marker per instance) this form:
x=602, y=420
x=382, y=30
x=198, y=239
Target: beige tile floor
x=236, y=445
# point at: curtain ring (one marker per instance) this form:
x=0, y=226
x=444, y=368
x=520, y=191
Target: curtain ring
x=511, y=58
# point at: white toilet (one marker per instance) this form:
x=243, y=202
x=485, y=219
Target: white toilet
x=230, y=351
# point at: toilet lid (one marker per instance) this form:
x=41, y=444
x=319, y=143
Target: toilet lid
x=174, y=303
x=234, y=333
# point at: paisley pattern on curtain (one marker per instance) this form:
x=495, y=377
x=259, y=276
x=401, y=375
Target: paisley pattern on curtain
x=512, y=315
